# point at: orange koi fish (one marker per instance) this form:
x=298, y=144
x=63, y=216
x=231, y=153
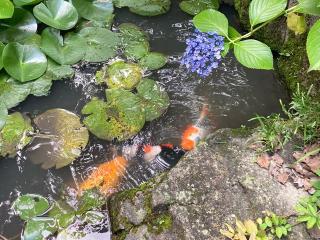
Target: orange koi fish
x=194, y=133
x=107, y=176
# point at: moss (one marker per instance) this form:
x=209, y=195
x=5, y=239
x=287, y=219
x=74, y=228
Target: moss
x=242, y=7
x=160, y=223
x=242, y=131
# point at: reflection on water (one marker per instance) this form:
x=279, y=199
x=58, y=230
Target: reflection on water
x=234, y=95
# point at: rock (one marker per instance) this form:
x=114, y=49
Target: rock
x=208, y=188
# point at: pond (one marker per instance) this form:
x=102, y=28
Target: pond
x=233, y=93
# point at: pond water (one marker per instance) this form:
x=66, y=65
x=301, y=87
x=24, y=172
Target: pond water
x=234, y=95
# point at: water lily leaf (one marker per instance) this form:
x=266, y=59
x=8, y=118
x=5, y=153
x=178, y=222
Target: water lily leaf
x=26, y=2
x=41, y=86
x=107, y=23
x=136, y=50
x=130, y=3
x=152, y=8
x=123, y=75
x=67, y=50
x=130, y=32
x=58, y=72
x=1, y=50
x=59, y=14
x=153, y=61
x=89, y=200
x=62, y=139
x=193, y=7
x=7, y=9
x=63, y=213
x=39, y=228
x=97, y=10
x=14, y=134
x=30, y=205
x=122, y=117
x=101, y=43
x=34, y=39
x=21, y=25
x=155, y=99
x=24, y=62
x=3, y=114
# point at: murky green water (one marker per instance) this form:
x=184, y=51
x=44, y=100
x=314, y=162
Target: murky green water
x=234, y=95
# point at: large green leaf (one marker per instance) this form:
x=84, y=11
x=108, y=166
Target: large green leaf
x=254, y=54
x=21, y=25
x=193, y=7
x=263, y=10
x=1, y=50
x=68, y=50
x=96, y=10
x=212, y=21
x=136, y=49
x=30, y=205
x=3, y=114
x=59, y=14
x=152, y=8
x=26, y=2
x=6, y=9
x=153, y=61
x=154, y=98
x=24, y=62
x=39, y=228
x=101, y=44
x=14, y=134
x=309, y=7
x=62, y=140
x=313, y=46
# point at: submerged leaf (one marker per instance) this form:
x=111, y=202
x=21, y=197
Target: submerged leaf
x=153, y=61
x=39, y=228
x=3, y=114
x=63, y=213
x=62, y=139
x=96, y=10
x=90, y=199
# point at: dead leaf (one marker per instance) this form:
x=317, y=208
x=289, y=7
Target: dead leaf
x=306, y=184
x=313, y=163
x=282, y=178
x=298, y=155
x=278, y=159
x=264, y=161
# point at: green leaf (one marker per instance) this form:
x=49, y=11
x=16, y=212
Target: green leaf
x=58, y=14
x=279, y=232
x=263, y=10
x=21, y=25
x=101, y=44
x=311, y=7
x=68, y=50
x=6, y=9
x=34, y=39
x=233, y=33
x=58, y=72
x=66, y=135
x=26, y=2
x=39, y=228
x=153, y=61
x=311, y=222
x=136, y=50
x=152, y=8
x=155, y=99
x=30, y=205
x=212, y=21
x=297, y=23
x=193, y=7
x=268, y=221
x=96, y=10
x=254, y=54
x=41, y=86
x=24, y=62
x=313, y=44
x=130, y=32
x=130, y=3
x=63, y=213
x=3, y=115
x=1, y=51
x=89, y=200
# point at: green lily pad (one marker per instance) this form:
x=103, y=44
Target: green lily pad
x=24, y=62
x=107, y=23
x=123, y=75
x=193, y=7
x=21, y=25
x=67, y=50
x=63, y=213
x=3, y=114
x=136, y=50
x=7, y=9
x=101, y=44
x=96, y=10
x=30, y=205
x=62, y=139
x=153, y=61
x=34, y=39
x=1, y=50
x=130, y=32
x=59, y=14
x=39, y=228
x=121, y=118
x=41, y=86
x=89, y=200
x=152, y=8
x=130, y=3
x=14, y=134
x=25, y=2
x=155, y=99
x=58, y=72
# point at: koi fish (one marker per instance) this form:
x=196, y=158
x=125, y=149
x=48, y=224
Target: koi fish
x=107, y=176
x=194, y=133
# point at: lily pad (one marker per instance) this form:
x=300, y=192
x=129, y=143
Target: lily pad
x=123, y=75
x=58, y=72
x=96, y=10
x=67, y=50
x=153, y=61
x=3, y=115
x=1, y=50
x=34, y=39
x=130, y=3
x=14, y=134
x=63, y=213
x=101, y=43
x=21, y=25
x=155, y=99
x=30, y=205
x=107, y=23
x=41, y=86
x=24, y=62
x=136, y=50
x=62, y=139
x=89, y=200
x=130, y=32
x=121, y=118
x=7, y=9
x=26, y=2
x=39, y=228
x=59, y=14
x=193, y=7
x=152, y=8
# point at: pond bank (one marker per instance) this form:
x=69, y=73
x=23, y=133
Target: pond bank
x=208, y=188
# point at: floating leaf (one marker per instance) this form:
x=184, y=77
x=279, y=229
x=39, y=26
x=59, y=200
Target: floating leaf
x=59, y=14
x=101, y=44
x=152, y=8
x=122, y=117
x=68, y=50
x=63, y=213
x=107, y=23
x=153, y=61
x=297, y=23
x=313, y=44
x=130, y=3
x=25, y=2
x=21, y=25
x=1, y=50
x=24, y=62
x=155, y=99
x=3, y=115
x=96, y=10
x=193, y=7
x=34, y=39
x=130, y=32
x=41, y=86
x=39, y=228
x=62, y=138
x=90, y=199
x=136, y=50
x=14, y=134
x=58, y=72
x=30, y=205
x=6, y=9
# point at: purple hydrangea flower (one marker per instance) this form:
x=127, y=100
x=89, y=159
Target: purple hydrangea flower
x=203, y=52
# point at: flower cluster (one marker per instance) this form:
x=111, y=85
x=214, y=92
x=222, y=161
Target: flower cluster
x=203, y=53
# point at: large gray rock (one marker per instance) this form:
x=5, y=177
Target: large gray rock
x=208, y=188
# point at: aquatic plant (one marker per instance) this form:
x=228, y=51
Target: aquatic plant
x=193, y=7
x=145, y=7
x=203, y=53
